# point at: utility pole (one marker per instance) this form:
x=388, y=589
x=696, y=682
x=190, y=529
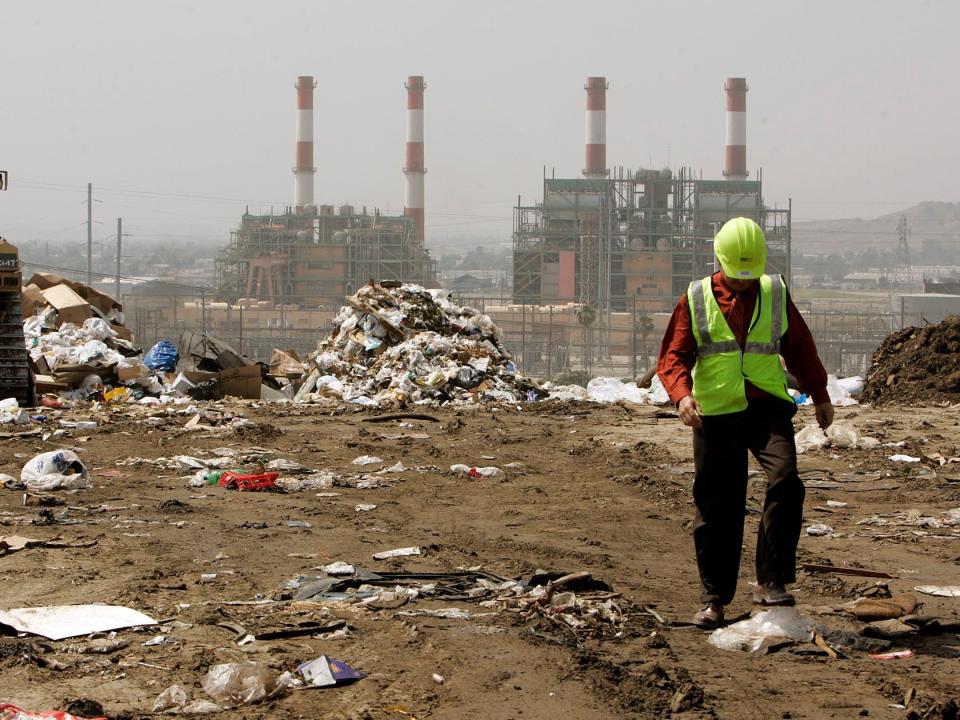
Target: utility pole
x=89, y=233
x=116, y=286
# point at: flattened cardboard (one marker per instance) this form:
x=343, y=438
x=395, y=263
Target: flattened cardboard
x=47, y=384
x=100, y=300
x=69, y=306
x=31, y=299
x=241, y=382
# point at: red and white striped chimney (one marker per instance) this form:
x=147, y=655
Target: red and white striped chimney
x=596, y=162
x=413, y=170
x=735, y=156
x=304, y=171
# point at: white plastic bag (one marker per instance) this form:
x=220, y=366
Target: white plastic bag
x=97, y=329
x=10, y=412
x=173, y=698
x=476, y=472
x=54, y=470
x=839, y=390
x=749, y=635
x=610, y=390
x=243, y=682
x=810, y=437
x=843, y=435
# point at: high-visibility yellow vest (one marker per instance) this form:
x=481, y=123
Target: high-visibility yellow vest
x=722, y=367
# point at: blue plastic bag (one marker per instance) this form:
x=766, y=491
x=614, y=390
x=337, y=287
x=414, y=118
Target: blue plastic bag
x=162, y=356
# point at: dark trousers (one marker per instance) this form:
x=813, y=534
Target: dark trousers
x=720, y=449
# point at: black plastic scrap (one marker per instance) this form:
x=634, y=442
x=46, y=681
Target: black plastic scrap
x=401, y=416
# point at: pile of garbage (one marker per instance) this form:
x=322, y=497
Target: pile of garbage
x=395, y=343
x=917, y=364
x=72, y=332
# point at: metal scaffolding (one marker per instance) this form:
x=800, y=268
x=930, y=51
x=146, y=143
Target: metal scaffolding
x=637, y=238
x=317, y=259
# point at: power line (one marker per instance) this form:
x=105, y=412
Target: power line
x=104, y=276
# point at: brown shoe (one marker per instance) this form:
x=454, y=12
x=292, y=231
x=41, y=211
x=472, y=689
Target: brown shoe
x=710, y=617
x=773, y=594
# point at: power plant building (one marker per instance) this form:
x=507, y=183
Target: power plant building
x=314, y=256
x=634, y=239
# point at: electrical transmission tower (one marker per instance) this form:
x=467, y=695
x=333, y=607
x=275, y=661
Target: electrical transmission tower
x=902, y=281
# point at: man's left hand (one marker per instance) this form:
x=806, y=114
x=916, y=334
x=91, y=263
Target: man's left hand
x=824, y=412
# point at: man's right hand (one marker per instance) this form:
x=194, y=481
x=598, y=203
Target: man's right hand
x=690, y=412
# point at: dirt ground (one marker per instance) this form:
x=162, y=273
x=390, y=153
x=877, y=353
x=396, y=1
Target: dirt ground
x=603, y=489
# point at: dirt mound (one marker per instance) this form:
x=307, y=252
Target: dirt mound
x=917, y=365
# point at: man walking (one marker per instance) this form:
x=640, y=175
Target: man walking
x=720, y=363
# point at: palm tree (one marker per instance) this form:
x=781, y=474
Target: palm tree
x=586, y=316
x=643, y=324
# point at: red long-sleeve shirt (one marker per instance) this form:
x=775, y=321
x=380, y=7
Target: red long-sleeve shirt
x=678, y=350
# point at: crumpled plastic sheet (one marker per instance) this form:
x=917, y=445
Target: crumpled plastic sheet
x=842, y=391
x=48, y=471
x=70, y=344
x=244, y=683
x=750, y=635
x=611, y=390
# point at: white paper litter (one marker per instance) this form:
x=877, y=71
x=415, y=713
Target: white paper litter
x=904, y=458
x=338, y=568
x=64, y=621
x=398, y=552
x=939, y=590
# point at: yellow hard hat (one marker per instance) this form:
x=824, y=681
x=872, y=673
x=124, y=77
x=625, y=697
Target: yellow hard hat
x=741, y=249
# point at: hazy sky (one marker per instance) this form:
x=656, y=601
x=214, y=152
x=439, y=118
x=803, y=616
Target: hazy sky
x=853, y=107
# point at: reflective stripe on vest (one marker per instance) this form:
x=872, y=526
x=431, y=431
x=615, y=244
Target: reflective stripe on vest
x=706, y=346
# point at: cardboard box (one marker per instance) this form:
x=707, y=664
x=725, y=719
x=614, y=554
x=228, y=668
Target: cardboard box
x=47, y=384
x=130, y=373
x=241, y=382
x=69, y=306
x=31, y=299
x=73, y=375
x=122, y=332
x=198, y=376
x=286, y=364
x=100, y=300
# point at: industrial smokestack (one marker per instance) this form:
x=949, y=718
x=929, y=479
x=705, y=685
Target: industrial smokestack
x=413, y=170
x=596, y=163
x=304, y=171
x=735, y=156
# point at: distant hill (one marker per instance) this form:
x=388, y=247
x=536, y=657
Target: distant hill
x=933, y=225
